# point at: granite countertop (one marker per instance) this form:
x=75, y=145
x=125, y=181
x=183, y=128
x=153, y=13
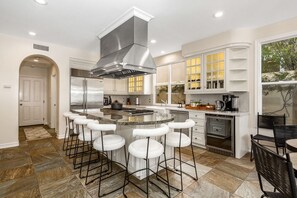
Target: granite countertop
x=122, y=118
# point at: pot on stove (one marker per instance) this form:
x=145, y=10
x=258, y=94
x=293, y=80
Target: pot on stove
x=116, y=105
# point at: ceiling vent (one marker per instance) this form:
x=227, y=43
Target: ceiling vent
x=41, y=47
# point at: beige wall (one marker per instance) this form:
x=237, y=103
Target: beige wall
x=252, y=36
x=12, y=52
x=169, y=58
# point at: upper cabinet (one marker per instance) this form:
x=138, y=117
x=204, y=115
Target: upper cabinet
x=215, y=71
x=193, y=74
x=140, y=85
x=115, y=86
x=220, y=71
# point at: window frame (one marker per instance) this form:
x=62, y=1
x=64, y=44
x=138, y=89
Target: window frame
x=258, y=68
x=169, y=84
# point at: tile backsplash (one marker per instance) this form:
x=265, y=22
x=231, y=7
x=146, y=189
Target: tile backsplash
x=205, y=98
x=143, y=100
x=211, y=98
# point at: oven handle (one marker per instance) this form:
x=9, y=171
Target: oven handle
x=220, y=117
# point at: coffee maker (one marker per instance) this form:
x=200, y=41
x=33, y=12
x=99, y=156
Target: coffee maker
x=231, y=102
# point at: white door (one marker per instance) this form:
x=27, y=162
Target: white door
x=31, y=101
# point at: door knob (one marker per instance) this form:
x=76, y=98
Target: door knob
x=21, y=104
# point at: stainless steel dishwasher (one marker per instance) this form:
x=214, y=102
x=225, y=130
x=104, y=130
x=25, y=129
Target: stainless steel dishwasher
x=180, y=116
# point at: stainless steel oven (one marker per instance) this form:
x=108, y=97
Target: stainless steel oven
x=220, y=134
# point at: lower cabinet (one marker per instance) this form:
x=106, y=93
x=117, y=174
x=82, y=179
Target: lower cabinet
x=198, y=129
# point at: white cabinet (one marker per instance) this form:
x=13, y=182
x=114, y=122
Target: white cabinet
x=237, y=70
x=140, y=85
x=115, y=86
x=199, y=128
x=206, y=73
x=214, y=71
x=220, y=71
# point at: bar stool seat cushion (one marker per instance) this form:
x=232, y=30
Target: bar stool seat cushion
x=172, y=139
x=138, y=148
x=87, y=131
x=110, y=142
x=67, y=114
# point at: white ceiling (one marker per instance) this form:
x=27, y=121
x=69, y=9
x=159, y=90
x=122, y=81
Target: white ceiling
x=76, y=23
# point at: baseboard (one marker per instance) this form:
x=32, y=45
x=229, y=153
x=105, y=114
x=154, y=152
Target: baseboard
x=60, y=136
x=8, y=145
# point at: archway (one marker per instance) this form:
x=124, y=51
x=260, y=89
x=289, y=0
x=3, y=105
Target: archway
x=39, y=92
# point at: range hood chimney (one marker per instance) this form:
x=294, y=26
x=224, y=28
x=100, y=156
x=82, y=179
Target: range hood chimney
x=124, y=50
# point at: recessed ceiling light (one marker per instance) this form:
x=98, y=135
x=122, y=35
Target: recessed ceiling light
x=35, y=60
x=41, y=2
x=162, y=52
x=32, y=33
x=218, y=14
x=153, y=41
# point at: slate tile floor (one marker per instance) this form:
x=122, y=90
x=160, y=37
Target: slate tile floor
x=40, y=169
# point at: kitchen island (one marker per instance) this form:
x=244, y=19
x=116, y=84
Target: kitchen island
x=126, y=122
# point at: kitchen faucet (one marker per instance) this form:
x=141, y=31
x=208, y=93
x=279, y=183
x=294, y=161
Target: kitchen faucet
x=163, y=102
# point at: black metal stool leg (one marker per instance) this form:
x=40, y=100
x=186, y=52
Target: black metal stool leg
x=181, y=170
x=126, y=175
x=196, y=178
x=147, y=177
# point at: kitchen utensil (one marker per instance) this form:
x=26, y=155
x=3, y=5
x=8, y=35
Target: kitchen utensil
x=220, y=105
x=116, y=105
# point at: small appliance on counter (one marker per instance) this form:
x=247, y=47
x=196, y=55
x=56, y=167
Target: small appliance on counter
x=231, y=102
x=220, y=105
x=107, y=100
x=128, y=101
x=137, y=101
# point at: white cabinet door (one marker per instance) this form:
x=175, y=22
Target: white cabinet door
x=115, y=86
x=109, y=86
x=121, y=86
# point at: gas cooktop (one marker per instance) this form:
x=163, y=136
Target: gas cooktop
x=136, y=112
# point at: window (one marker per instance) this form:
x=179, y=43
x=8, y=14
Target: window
x=279, y=78
x=170, y=85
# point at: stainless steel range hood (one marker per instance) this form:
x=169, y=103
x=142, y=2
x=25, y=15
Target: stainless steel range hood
x=124, y=51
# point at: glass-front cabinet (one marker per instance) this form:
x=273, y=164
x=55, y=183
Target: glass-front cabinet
x=206, y=73
x=135, y=84
x=193, y=80
x=139, y=85
x=215, y=71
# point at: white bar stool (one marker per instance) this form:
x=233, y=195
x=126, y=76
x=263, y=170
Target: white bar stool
x=86, y=137
x=67, y=129
x=104, y=144
x=72, y=133
x=147, y=149
x=179, y=140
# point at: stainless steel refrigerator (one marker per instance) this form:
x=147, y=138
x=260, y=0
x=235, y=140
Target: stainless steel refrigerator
x=86, y=93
